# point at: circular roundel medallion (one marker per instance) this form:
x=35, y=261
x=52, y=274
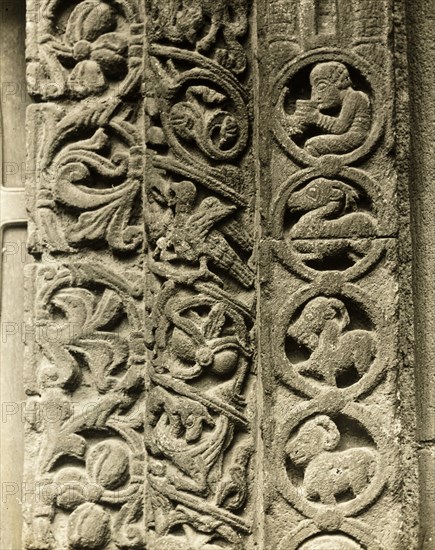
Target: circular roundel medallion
x=328, y=104
x=327, y=339
x=331, y=464
x=206, y=114
x=330, y=542
x=351, y=536
x=322, y=224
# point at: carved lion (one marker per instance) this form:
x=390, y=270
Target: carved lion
x=334, y=351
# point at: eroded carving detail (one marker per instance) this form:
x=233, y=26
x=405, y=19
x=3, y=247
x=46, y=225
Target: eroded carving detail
x=85, y=449
x=348, y=125
x=335, y=354
x=88, y=364
x=329, y=474
x=87, y=49
x=327, y=267
x=328, y=250
x=199, y=230
x=336, y=542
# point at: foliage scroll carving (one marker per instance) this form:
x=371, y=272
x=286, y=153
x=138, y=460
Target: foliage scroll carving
x=86, y=359
x=214, y=221
x=200, y=414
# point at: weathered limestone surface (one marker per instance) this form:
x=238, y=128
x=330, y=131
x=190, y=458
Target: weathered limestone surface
x=85, y=368
x=420, y=20
x=220, y=299
x=330, y=318
x=200, y=423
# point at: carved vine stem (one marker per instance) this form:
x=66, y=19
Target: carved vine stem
x=85, y=364
x=199, y=214
x=142, y=156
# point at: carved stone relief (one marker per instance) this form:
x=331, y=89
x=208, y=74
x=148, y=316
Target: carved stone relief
x=215, y=221
x=199, y=218
x=329, y=262
x=85, y=367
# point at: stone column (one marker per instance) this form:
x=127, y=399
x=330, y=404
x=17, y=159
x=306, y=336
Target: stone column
x=420, y=19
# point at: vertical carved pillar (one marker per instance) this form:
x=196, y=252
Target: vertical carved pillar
x=329, y=299
x=85, y=352
x=420, y=17
x=200, y=300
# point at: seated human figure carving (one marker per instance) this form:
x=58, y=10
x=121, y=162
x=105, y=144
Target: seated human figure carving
x=342, y=114
x=329, y=473
x=320, y=328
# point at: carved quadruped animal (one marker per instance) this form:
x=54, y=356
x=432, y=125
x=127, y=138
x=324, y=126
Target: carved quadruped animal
x=321, y=329
x=329, y=473
x=200, y=343
x=178, y=433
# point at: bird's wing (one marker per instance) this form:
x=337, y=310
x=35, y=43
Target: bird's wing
x=159, y=224
x=234, y=230
x=203, y=219
x=219, y=250
x=198, y=225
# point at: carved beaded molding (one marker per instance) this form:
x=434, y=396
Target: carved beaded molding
x=197, y=384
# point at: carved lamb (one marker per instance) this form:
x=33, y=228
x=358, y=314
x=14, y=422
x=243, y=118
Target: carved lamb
x=329, y=473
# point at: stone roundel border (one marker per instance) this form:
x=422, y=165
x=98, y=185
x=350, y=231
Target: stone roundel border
x=284, y=370
x=284, y=251
x=350, y=528
x=331, y=517
x=215, y=76
x=323, y=55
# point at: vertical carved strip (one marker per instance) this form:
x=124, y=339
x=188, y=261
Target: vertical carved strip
x=200, y=300
x=85, y=354
x=420, y=17
x=329, y=321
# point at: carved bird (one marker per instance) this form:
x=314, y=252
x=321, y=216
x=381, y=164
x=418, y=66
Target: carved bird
x=195, y=237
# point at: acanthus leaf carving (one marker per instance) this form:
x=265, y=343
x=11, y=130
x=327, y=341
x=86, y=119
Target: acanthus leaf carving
x=90, y=185
x=89, y=372
x=188, y=240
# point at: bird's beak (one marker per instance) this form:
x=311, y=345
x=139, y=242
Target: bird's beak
x=225, y=210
